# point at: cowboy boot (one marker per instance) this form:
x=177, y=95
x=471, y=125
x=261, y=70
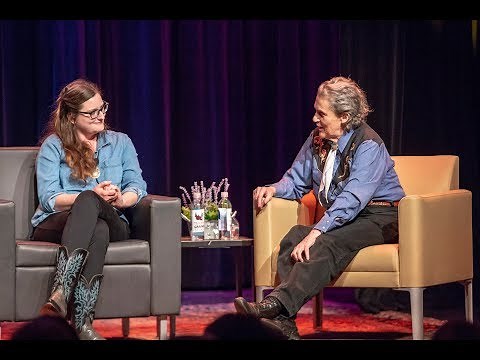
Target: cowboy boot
x=67, y=272
x=269, y=308
x=286, y=325
x=85, y=297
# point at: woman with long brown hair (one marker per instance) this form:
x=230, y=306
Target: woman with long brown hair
x=86, y=176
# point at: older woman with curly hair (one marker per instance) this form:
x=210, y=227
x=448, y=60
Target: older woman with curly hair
x=346, y=164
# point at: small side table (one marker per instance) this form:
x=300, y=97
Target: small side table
x=236, y=245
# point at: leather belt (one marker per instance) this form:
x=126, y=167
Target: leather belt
x=383, y=203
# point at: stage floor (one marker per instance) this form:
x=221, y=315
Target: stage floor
x=343, y=318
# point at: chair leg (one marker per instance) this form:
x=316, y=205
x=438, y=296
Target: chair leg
x=125, y=327
x=317, y=311
x=468, y=300
x=162, y=327
x=416, y=305
x=172, y=327
x=259, y=292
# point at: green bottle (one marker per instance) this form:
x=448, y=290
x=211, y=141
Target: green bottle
x=225, y=219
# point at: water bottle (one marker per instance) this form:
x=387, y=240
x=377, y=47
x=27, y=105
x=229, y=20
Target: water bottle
x=225, y=219
x=197, y=217
x=235, y=229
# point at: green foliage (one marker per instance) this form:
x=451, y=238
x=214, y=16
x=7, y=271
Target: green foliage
x=186, y=211
x=211, y=211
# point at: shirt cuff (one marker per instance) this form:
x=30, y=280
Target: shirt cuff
x=325, y=223
x=139, y=192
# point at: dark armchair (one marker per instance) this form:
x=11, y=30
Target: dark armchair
x=142, y=275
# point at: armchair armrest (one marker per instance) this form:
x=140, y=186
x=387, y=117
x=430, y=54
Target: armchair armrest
x=7, y=260
x=435, y=238
x=269, y=227
x=157, y=219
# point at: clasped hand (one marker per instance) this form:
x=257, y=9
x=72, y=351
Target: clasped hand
x=110, y=193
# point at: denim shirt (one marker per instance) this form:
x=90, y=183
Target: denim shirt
x=117, y=162
x=372, y=177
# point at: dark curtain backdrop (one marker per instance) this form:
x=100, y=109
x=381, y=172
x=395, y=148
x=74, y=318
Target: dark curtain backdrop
x=422, y=79
x=201, y=99
x=441, y=109
x=207, y=99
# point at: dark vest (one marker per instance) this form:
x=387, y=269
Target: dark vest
x=362, y=133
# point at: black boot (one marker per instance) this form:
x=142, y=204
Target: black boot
x=68, y=270
x=269, y=308
x=85, y=297
x=287, y=326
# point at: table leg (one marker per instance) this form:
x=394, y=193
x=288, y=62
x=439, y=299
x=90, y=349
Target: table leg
x=318, y=310
x=252, y=270
x=238, y=269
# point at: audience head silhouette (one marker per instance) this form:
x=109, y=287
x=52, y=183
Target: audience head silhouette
x=233, y=326
x=457, y=330
x=46, y=327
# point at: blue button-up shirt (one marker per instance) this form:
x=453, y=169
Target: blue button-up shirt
x=117, y=162
x=372, y=177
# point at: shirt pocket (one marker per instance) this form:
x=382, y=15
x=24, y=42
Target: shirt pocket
x=112, y=171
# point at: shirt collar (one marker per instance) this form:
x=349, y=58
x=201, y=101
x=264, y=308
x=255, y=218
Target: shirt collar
x=104, y=138
x=343, y=140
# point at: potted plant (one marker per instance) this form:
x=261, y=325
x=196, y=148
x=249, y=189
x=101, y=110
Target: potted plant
x=209, y=200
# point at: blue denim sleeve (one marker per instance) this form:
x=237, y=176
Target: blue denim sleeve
x=297, y=180
x=47, y=171
x=132, y=180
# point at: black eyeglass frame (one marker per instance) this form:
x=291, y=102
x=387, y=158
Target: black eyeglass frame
x=103, y=109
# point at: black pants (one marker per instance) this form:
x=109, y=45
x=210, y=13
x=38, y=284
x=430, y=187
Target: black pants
x=91, y=224
x=330, y=254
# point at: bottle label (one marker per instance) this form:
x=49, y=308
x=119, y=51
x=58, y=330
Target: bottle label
x=197, y=222
x=225, y=220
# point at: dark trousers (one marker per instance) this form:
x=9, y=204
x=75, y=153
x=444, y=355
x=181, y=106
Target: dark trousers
x=90, y=224
x=330, y=254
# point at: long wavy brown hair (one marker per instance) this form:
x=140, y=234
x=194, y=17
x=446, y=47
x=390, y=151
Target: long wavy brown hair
x=78, y=155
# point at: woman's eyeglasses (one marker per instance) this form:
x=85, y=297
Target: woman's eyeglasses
x=94, y=113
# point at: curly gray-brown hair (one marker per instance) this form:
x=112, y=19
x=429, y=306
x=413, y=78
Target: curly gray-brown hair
x=345, y=96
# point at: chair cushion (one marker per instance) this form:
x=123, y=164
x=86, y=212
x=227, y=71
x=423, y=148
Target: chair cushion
x=40, y=253
x=376, y=258
x=130, y=251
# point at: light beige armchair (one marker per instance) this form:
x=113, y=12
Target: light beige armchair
x=435, y=238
